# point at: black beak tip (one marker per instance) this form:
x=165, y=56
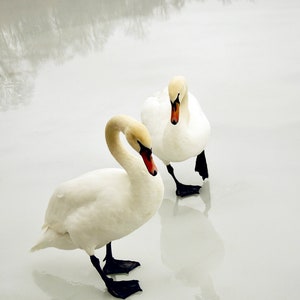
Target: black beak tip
x=174, y=122
x=154, y=173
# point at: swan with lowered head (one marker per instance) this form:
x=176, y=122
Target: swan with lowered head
x=92, y=210
x=178, y=128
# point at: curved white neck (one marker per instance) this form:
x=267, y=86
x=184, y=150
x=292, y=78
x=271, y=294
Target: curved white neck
x=126, y=159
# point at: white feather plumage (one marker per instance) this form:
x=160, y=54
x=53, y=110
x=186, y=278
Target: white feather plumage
x=175, y=143
x=104, y=205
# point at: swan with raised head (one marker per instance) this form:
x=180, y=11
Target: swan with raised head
x=179, y=130
x=92, y=210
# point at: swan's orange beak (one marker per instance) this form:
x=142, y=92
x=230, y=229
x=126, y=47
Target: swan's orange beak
x=175, y=112
x=148, y=161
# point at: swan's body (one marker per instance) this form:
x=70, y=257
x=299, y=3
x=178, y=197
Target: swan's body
x=92, y=210
x=179, y=131
x=175, y=143
x=88, y=212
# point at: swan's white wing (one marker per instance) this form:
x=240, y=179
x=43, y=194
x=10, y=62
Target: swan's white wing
x=199, y=127
x=96, y=188
x=155, y=115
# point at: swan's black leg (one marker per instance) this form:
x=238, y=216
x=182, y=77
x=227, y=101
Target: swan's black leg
x=201, y=165
x=183, y=190
x=115, y=266
x=119, y=289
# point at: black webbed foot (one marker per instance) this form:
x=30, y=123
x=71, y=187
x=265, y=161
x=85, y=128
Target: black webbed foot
x=184, y=190
x=123, y=289
x=119, y=289
x=115, y=266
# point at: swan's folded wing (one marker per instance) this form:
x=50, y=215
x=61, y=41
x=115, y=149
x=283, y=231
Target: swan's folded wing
x=80, y=192
x=155, y=113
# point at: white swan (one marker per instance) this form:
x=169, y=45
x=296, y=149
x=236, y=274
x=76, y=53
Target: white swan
x=96, y=208
x=179, y=131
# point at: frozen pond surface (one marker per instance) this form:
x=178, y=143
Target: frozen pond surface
x=67, y=67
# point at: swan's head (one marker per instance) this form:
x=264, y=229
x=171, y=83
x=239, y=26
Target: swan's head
x=177, y=91
x=139, y=139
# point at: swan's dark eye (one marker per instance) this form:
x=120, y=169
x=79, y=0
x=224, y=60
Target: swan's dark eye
x=174, y=104
x=145, y=151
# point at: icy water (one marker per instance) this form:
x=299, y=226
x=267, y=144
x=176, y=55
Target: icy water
x=67, y=67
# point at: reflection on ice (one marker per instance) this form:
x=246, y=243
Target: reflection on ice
x=58, y=288
x=206, y=196
x=37, y=32
x=190, y=246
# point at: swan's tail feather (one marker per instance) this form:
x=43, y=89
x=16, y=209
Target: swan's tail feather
x=53, y=239
x=37, y=247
